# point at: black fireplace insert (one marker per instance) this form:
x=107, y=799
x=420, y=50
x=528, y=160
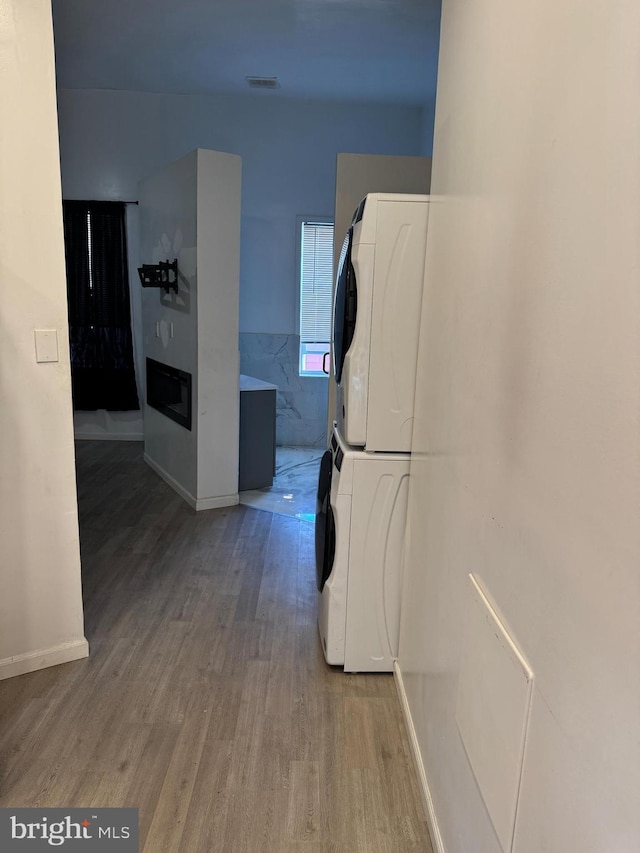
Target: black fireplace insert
x=169, y=391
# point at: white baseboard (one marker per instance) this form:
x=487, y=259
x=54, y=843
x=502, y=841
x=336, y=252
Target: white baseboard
x=42, y=658
x=109, y=436
x=427, y=800
x=196, y=503
x=217, y=502
x=171, y=481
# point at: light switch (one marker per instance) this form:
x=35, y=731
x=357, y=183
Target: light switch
x=46, y=345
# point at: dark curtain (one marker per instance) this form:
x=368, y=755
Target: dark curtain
x=102, y=369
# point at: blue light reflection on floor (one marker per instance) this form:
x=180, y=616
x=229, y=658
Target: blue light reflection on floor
x=306, y=516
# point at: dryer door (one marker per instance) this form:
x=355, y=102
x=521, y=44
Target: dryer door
x=345, y=307
x=325, y=523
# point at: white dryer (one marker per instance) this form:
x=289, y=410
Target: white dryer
x=377, y=318
x=360, y=530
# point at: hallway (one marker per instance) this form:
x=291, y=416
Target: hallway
x=206, y=702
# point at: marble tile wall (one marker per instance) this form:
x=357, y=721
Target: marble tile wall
x=301, y=415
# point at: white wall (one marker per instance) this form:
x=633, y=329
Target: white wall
x=190, y=210
x=168, y=230
x=426, y=131
x=219, y=189
x=40, y=605
x=526, y=456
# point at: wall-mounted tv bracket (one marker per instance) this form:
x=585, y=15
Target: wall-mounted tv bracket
x=163, y=274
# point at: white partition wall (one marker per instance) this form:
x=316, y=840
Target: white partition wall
x=41, y=621
x=524, y=545
x=190, y=211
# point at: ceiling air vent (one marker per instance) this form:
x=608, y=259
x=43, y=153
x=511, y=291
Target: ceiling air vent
x=263, y=82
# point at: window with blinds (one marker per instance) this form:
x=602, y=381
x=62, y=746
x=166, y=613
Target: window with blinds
x=316, y=290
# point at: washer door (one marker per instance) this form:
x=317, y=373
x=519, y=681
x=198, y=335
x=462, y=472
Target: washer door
x=325, y=523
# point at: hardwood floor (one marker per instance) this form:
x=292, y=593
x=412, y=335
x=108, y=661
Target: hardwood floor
x=206, y=701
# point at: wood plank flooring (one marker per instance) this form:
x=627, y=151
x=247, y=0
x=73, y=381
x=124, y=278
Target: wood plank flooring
x=206, y=701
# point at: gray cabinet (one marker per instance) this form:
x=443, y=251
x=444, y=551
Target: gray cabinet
x=257, y=462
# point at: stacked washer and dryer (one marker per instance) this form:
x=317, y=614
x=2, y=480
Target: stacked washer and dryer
x=364, y=475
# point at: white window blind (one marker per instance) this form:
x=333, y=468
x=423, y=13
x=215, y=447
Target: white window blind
x=316, y=282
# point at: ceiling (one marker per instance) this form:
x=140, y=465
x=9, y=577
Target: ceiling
x=379, y=51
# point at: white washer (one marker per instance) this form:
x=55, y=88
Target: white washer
x=360, y=533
